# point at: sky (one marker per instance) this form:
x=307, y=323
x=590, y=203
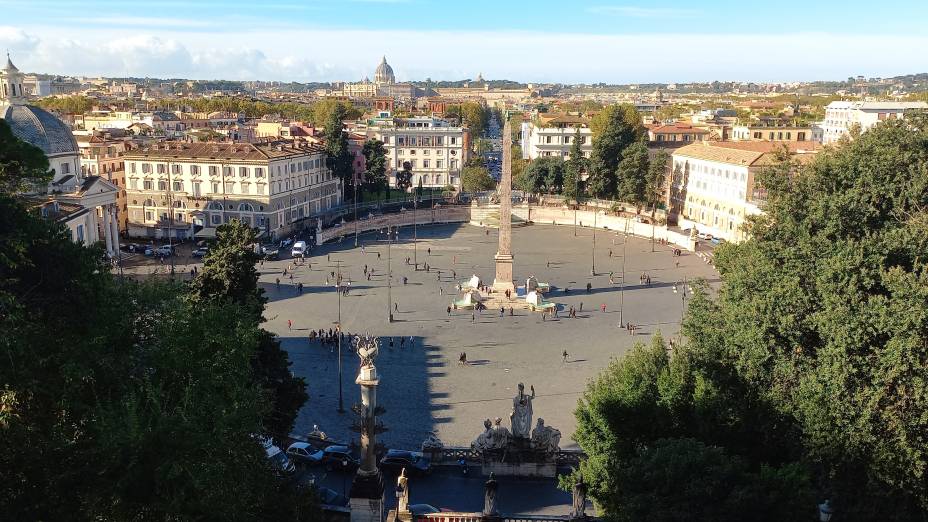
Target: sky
x=566, y=41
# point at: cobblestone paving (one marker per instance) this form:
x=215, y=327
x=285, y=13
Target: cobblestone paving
x=423, y=388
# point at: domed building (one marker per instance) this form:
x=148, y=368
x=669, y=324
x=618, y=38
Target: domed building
x=384, y=73
x=85, y=204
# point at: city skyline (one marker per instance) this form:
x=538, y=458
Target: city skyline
x=590, y=41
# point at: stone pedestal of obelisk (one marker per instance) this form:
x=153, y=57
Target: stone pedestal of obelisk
x=366, y=498
x=503, y=257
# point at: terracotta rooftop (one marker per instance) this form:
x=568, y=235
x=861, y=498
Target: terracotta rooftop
x=678, y=128
x=749, y=153
x=224, y=151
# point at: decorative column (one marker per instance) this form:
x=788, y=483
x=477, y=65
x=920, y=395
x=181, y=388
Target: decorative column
x=106, y=229
x=503, y=280
x=366, y=500
x=114, y=228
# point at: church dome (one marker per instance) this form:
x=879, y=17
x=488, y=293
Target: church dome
x=384, y=73
x=40, y=128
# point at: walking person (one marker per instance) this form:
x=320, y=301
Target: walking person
x=602, y=308
x=565, y=356
x=581, y=307
x=449, y=310
x=396, y=307
x=277, y=281
x=289, y=324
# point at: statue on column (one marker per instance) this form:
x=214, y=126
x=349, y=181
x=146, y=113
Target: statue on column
x=521, y=416
x=490, y=506
x=579, y=499
x=402, y=493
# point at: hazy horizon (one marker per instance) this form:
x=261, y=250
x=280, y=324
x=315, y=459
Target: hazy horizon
x=586, y=41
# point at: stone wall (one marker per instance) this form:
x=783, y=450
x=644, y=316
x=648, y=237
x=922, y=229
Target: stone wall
x=542, y=215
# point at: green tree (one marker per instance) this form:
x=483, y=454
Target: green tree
x=545, y=174
x=21, y=165
x=375, y=160
x=476, y=178
x=475, y=117
x=229, y=276
x=614, y=129
x=419, y=189
x=148, y=414
x=824, y=314
x=404, y=177
x=574, y=169
x=632, y=174
x=652, y=423
x=76, y=104
x=657, y=174
x=338, y=157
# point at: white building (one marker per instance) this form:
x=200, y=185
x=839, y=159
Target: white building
x=554, y=136
x=713, y=184
x=85, y=204
x=841, y=116
x=179, y=188
x=435, y=150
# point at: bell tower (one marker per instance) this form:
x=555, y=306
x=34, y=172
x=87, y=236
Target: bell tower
x=11, y=88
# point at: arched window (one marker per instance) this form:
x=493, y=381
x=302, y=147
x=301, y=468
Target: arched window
x=178, y=204
x=246, y=207
x=148, y=203
x=215, y=205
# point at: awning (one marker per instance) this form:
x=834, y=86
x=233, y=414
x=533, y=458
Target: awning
x=206, y=233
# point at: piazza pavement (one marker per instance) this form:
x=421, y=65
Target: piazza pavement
x=423, y=387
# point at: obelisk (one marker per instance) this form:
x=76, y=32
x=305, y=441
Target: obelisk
x=503, y=280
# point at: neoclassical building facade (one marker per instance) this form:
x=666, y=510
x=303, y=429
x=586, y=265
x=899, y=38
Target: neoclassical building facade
x=85, y=204
x=178, y=189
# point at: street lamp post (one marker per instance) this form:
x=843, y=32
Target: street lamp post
x=338, y=331
x=622, y=283
x=390, y=236
x=415, y=232
x=593, y=252
x=356, y=213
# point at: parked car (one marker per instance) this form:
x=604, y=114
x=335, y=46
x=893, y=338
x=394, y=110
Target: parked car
x=304, y=453
x=159, y=251
x=414, y=462
x=423, y=509
x=299, y=248
x=200, y=252
x=132, y=247
x=329, y=497
x=339, y=458
x=278, y=460
x=270, y=251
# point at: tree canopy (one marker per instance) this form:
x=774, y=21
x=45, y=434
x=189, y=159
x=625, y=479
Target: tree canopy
x=122, y=400
x=573, y=170
x=615, y=128
x=21, y=164
x=476, y=178
x=804, y=375
x=338, y=157
x=544, y=174
x=826, y=309
x=375, y=160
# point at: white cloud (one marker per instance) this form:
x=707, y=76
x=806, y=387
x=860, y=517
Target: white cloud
x=287, y=53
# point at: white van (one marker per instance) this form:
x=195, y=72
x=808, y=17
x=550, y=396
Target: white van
x=299, y=248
